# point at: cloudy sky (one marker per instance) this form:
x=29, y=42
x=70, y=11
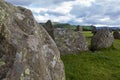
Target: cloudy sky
x=83, y=12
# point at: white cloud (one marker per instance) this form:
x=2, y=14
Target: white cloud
x=63, y=19
x=86, y=3
x=63, y=8
x=78, y=20
x=37, y=10
x=100, y=25
x=105, y=19
x=98, y=12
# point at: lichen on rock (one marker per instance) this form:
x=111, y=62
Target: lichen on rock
x=22, y=50
x=69, y=41
x=102, y=39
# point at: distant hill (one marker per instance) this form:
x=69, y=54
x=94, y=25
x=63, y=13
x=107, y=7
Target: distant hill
x=73, y=27
x=84, y=27
x=112, y=28
x=64, y=25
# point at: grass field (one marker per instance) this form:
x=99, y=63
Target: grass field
x=100, y=65
x=88, y=36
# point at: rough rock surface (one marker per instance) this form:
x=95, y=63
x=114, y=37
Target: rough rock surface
x=27, y=52
x=69, y=41
x=116, y=35
x=50, y=28
x=102, y=39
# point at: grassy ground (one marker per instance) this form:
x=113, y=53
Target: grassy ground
x=88, y=36
x=100, y=65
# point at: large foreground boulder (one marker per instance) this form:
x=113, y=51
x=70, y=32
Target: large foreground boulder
x=116, y=35
x=102, y=39
x=69, y=41
x=27, y=52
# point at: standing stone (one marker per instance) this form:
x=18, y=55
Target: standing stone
x=116, y=34
x=78, y=28
x=94, y=30
x=50, y=28
x=26, y=50
x=102, y=39
x=69, y=41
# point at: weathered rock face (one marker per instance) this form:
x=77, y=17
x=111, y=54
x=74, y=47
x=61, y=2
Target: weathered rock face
x=69, y=41
x=26, y=50
x=116, y=35
x=102, y=39
x=50, y=28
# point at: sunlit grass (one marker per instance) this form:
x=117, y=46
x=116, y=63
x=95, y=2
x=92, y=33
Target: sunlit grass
x=100, y=65
x=88, y=35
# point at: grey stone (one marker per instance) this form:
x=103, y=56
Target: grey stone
x=50, y=28
x=102, y=39
x=27, y=52
x=69, y=41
